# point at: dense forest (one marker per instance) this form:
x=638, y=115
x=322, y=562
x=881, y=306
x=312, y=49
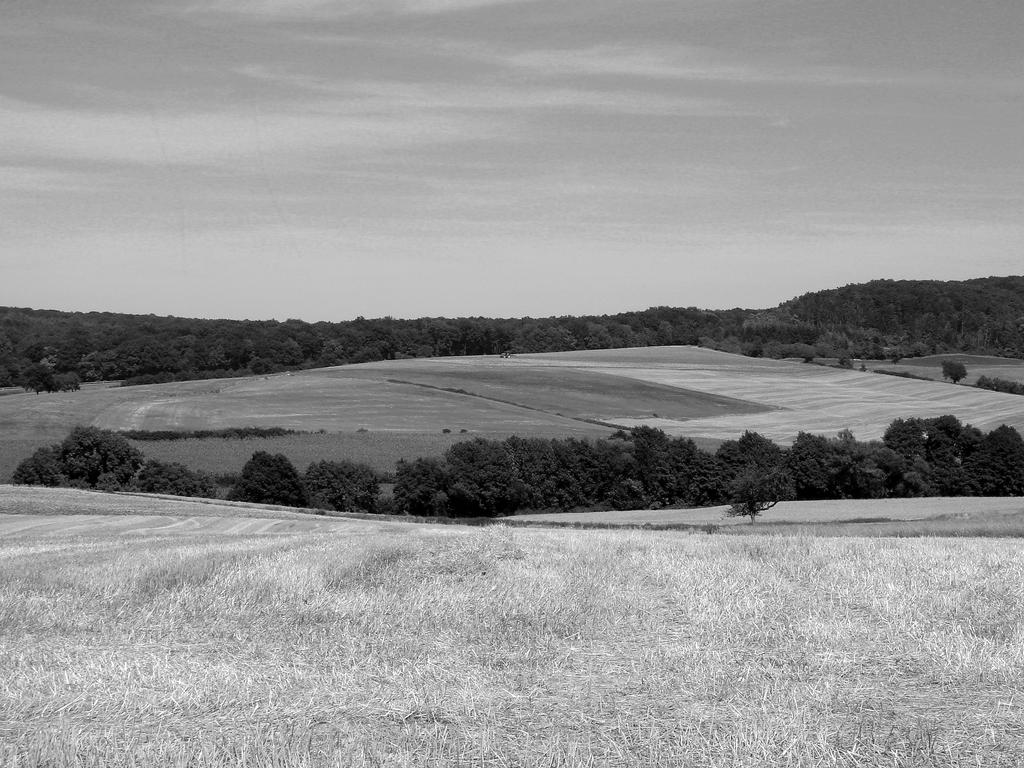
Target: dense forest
x=52, y=350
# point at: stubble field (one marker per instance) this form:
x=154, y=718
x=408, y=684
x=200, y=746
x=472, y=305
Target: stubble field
x=377, y=643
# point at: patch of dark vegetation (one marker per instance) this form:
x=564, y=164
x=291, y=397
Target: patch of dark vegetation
x=997, y=384
x=901, y=374
x=229, y=433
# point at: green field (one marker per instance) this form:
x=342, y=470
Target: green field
x=126, y=642
x=380, y=412
x=977, y=366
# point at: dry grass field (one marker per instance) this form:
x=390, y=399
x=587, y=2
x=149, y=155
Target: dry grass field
x=382, y=644
x=829, y=511
x=405, y=405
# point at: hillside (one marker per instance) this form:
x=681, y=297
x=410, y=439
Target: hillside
x=47, y=349
x=381, y=412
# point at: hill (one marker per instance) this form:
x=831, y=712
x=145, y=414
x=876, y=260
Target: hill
x=381, y=412
x=48, y=349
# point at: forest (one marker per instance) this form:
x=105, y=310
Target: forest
x=50, y=350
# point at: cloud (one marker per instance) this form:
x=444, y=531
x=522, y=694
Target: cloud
x=440, y=97
x=32, y=179
x=203, y=137
x=275, y=9
x=692, y=63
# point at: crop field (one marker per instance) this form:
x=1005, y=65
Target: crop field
x=803, y=397
x=406, y=405
x=370, y=644
x=977, y=366
x=379, y=449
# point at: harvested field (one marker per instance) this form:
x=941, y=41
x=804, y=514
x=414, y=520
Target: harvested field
x=943, y=516
x=36, y=500
x=808, y=398
x=379, y=644
x=405, y=405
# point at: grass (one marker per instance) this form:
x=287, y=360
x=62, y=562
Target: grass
x=977, y=366
x=381, y=644
x=381, y=450
x=800, y=512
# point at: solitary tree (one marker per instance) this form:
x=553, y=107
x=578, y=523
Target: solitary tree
x=753, y=492
x=953, y=370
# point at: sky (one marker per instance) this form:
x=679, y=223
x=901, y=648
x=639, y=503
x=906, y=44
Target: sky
x=326, y=159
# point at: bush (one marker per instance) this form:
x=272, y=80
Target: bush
x=99, y=458
x=269, y=479
x=174, y=479
x=41, y=468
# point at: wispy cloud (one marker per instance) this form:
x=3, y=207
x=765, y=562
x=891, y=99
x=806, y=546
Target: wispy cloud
x=276, y=9
x=202, y=137
x=692, y=63
x=500, y=96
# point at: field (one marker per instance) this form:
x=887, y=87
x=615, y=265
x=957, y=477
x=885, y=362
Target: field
x=380, y=412
x=977, y=366
x=831, y=511
x=377, y=643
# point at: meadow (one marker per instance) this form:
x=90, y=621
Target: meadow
x=977, y=366
x=381, y=412
x=376, y=643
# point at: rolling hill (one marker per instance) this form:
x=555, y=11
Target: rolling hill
x=402, y=409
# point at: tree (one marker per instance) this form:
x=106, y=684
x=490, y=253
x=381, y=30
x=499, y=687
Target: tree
x=421, y=487
x=344, y=486
x=953, y=370
x=174, y=479
x=753, y=492
x=483, y=479
x=269, y=479
x=810, y=464
x=41, y=468
x=996, y=467
x=99, y=458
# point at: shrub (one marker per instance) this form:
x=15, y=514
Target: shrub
x=174, y=479
x=90, y=454
x=344, y=486
x=41, y=468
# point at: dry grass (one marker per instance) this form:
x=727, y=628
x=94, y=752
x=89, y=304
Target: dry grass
x=393, y=645
x=802, y=512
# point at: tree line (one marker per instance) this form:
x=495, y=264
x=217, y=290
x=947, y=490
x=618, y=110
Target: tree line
x=876, y=320
x=635, y=469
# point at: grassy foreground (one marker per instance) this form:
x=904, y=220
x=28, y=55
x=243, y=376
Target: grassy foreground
x=382, y=644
